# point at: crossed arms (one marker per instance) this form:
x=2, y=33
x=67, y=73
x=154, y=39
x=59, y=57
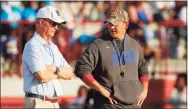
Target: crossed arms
x=48, y=74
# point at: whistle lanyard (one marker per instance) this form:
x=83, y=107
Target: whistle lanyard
x=119, y=54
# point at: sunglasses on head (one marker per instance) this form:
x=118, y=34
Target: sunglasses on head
x=54, y=24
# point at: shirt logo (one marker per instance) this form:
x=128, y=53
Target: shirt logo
x=57, y=12
x=126, y=57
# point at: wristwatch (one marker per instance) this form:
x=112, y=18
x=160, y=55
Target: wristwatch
x=57, y=70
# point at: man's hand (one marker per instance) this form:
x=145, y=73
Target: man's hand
x=142, y=97
x=90, y=81
x=65, y=73
x=47, y=74
x=51, y=68
x=106, y=94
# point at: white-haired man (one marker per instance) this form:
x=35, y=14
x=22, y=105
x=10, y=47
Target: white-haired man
x=43, y=64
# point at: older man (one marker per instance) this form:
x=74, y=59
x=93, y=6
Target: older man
x=43, y=64
x=115, y=67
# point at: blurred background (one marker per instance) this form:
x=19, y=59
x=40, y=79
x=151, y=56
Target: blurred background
x=159, y=27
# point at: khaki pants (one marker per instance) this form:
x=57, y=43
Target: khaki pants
x=34, y=103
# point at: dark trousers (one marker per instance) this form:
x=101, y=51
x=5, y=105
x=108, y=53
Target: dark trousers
x=115, y=106
x=101, y=102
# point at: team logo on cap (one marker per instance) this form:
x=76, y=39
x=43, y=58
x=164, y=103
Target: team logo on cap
x=57, y=13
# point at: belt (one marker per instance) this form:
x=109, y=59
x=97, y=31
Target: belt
x=41, y=97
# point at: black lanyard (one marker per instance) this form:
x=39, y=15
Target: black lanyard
x=119, y=54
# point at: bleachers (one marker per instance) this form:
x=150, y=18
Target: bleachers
x=160, y=86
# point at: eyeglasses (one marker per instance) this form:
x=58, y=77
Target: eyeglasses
x=54, y=24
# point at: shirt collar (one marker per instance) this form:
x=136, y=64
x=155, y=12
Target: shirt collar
x=41, y=40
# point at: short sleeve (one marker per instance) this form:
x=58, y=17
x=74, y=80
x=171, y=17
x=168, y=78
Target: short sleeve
x=33, y=58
